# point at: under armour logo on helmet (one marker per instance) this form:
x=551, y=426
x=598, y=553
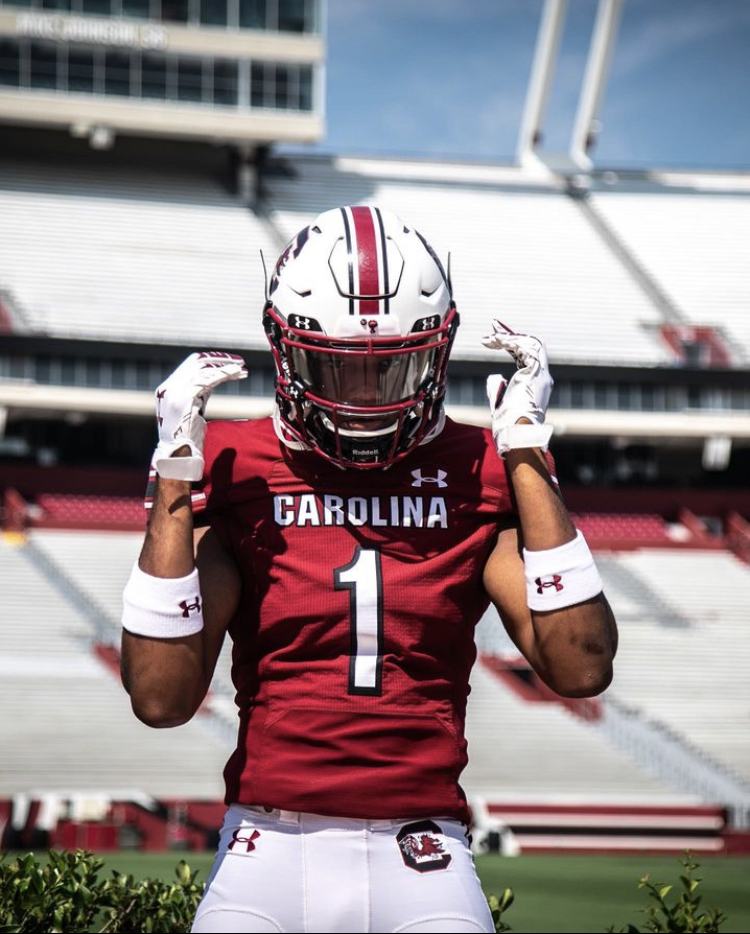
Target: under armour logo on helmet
x=304, y=323
x=188, y=608
x=554, y=581
x=419, y=479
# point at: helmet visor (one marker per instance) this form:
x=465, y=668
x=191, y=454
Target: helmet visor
x=361, y=378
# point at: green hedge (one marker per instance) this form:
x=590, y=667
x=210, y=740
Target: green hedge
x=668, y=911
x=66, y=893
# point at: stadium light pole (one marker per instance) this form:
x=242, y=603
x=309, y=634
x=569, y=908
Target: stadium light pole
x=540, y=83
x=603, y=39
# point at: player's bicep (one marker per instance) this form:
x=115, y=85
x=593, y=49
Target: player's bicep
x=220, y=590
x=505, y=583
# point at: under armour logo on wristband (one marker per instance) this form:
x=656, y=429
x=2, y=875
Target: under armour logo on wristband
x=248, y=841
x=553, y=581
x=195, y=607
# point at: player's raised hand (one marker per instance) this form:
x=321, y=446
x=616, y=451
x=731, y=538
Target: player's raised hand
x=525, y=396
x=180, y=405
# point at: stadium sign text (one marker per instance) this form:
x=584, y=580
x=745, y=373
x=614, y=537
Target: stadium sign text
x=99, y=32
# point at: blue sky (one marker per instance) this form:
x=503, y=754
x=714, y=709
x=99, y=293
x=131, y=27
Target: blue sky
x=447, y=79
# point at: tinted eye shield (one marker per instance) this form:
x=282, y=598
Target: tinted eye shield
x=363, y=373
x=365, y=346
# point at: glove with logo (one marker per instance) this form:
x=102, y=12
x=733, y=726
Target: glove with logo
x=180, y=404
x=526, y=395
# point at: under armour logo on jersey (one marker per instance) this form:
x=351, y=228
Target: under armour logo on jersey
x=552, y=581
x=188, y=608
x=419, y=479
x=247, y=842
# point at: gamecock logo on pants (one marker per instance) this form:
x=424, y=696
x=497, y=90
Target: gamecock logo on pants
x=423, y=846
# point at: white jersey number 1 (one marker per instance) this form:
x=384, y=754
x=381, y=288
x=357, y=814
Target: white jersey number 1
x=362, y=578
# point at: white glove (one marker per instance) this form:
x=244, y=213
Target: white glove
x=180, y=403
x=525, y=396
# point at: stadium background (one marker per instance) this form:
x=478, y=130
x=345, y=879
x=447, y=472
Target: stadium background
x=149, y=153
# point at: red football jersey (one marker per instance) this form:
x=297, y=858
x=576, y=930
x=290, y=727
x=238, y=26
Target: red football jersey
x=354, y=637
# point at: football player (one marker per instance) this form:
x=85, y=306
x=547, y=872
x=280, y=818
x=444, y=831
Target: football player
x=349, y=545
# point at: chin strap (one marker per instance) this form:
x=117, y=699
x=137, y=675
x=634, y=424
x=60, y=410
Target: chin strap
x=294, y=445
x=436, y=429
x=283, y=436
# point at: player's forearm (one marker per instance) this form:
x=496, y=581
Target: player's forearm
x=168, y=548
x=574, y=646
x=545, y=522
x=165, y=677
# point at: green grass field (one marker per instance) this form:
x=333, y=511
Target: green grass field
x=554, y=894
x=590, y=893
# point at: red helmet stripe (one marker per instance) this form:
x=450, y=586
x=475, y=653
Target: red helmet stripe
x=367, y=259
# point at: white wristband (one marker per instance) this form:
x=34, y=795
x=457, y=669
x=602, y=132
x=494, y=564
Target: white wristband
x=162, y=607
x=561, y=576
x=178, y=468
x=513, y=437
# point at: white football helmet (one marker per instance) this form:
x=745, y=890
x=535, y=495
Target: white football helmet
x=360, y=320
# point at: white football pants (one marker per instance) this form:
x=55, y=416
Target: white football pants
x=281, y=871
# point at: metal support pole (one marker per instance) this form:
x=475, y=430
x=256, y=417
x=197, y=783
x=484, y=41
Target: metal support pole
x=545, y=57
x=595, y=80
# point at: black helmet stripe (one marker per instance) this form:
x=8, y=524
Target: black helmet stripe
x=384, y=254
x=350, y=256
